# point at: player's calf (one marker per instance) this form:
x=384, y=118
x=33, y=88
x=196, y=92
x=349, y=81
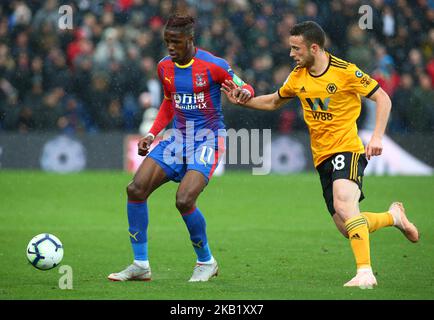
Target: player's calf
x=340, y=225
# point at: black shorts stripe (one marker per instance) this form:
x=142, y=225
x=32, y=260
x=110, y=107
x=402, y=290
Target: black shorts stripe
x=357, y=166
x=353, y=161
x=354, y=165
x=356, y=173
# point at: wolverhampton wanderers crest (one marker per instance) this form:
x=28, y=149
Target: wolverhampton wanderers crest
x=331, y=88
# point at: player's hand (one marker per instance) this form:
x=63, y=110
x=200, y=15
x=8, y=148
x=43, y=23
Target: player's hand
x=243, y=96
x=234, y=93
x=230, y=89
x=374, y=147
x=144, y=144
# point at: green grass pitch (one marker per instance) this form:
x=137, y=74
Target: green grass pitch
x=272, y=236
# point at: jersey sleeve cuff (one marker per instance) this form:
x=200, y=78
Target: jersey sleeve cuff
x=250, y=89
x=150, y=134
x=373, y=91
x=282, y=97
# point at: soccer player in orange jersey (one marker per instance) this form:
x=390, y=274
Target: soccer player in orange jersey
x=329, y=90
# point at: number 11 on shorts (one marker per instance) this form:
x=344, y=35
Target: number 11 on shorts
x=207, y=153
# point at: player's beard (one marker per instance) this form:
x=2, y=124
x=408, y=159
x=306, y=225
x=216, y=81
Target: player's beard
x=308, y=61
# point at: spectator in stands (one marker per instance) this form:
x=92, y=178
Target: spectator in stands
x=56, y=71
x=99, y=99
x=112, y=119
x=25, y=121
x=47, y=14
x=423, y=114
x=72, y=121
x=123, y=40
x=402, y=101
x=109, y=49
x=48, y=114
x=384, y=72
x=359, y=51
x=147, y=114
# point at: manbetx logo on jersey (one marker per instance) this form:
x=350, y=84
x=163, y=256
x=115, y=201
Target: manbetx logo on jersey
x=189, y=101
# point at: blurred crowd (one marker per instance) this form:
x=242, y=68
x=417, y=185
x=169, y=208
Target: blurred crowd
x=101, y=74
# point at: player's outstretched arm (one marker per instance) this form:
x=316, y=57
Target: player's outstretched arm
x=384, y=105
x=164, y=116
x=236, y=95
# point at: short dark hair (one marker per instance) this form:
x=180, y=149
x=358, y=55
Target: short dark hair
x=181, y=22
x=311, y=32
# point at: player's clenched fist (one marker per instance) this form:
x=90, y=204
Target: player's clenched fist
x=374, y=147
x=144, y=144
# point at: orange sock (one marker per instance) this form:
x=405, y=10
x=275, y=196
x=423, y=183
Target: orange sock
x=358, y=234
x=378, y=220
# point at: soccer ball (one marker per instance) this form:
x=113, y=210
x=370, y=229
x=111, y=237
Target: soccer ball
x=45, y=251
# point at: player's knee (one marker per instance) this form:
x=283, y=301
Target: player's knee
x=184, y=203
x=340, y=203
x=135, y=192
x=339, y=206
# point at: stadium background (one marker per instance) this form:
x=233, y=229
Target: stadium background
x=99, y=77
x=70, y=100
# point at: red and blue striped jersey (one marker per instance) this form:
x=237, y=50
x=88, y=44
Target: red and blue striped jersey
x=193, y=90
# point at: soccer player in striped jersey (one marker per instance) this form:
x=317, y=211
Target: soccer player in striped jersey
x=329, y=90
x=191, y=80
